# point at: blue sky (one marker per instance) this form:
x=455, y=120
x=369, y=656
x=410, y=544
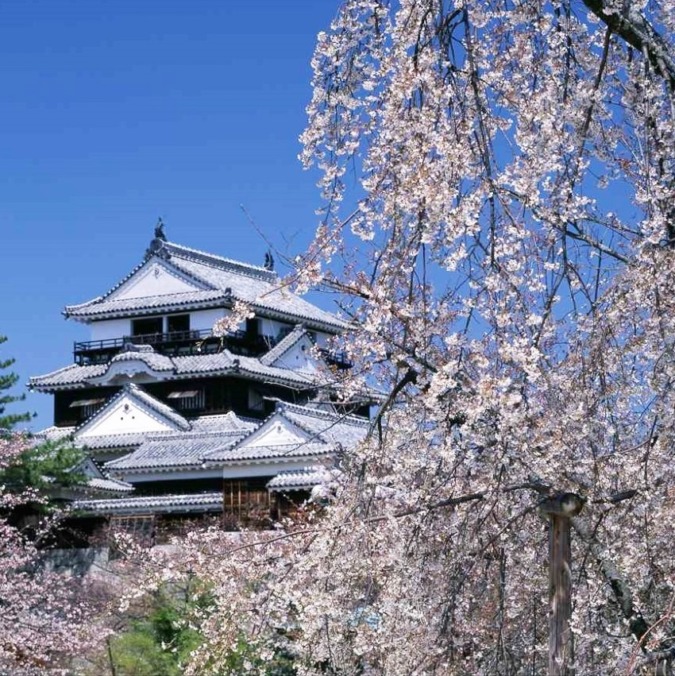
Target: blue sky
x=115, y=113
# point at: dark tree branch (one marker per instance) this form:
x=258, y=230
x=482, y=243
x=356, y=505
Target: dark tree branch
x=639, y=627
x=633, y=27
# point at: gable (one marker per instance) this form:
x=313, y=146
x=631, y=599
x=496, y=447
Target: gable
x=125, y=415
x=155, y=278
x=298, y=357
x=89, y=469
x=277, y=431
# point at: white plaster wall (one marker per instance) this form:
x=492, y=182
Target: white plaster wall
x=274, y=432
x=154, y=280
x=111, y=328
x=299, y=357
x=125, y=417
x=205, y=319
x=271, y=327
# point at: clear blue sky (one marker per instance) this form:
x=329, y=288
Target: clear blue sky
x=115, y=113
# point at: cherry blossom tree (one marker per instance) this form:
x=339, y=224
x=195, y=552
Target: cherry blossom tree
x=46, y=616
x=499, y=185
x=500, y=188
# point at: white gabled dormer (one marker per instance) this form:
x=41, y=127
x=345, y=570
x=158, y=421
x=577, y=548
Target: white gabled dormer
x=131, y=411
x=276, y=431
x=155, y=278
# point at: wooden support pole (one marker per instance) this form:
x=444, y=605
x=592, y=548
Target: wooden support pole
x=560, y=509
x=560, y=645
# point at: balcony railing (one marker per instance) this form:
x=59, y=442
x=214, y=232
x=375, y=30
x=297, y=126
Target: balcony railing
x=181, y=343
x=337, y=358
x=174, y=343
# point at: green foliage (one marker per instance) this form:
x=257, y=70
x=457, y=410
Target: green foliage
x=246, y=659
x=7, y=381
x=160, y=643
x=137, y=653
x=43, y=466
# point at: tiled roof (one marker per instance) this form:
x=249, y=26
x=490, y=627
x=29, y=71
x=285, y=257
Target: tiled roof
x=67, y=376
x=306, y=449
x=228, y=280
x=108, y=484
x=331, y=428
x=112, y=440
x=54, y=433
x=99, y=308
x=300, y=479
x=157, y=362
x=244, y=268
x=327, y=430
x=226, y=422
x=221, y=363
x=212, y=502
x=174, y=451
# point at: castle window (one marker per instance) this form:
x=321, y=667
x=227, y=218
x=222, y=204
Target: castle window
x=255, y=400
x=144, y=327
x=87, y=406
x=187, y=400
x=176, y=323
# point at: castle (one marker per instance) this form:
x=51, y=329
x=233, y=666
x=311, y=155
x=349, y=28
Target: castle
x=179, y=419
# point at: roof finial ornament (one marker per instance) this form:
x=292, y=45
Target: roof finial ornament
x=269, y=260
x=159, y=230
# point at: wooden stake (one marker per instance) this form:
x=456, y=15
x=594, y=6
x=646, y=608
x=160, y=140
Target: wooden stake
x=560, y=509
x=560, y=645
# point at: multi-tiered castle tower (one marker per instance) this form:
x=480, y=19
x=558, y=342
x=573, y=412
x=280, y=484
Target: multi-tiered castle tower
x=176, y=420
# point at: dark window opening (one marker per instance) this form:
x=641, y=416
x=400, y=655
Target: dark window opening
x=255, y=400
x=143, y=327
x=252, y=327
x=87, y=407
x=186, y=400
x=178, y=323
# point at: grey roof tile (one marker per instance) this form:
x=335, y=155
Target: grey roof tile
x=205, y=364
x=238, y=454
x=157, y=362
x=226, y=422
x=54, y=433
x=99, y=307
x=329, y=427
x=179, y=449
x=108, y=484
x=199, y=502
x=174, y=451
x=67, y=376
x=300, y=479
x=112, y=441
x=228, y=280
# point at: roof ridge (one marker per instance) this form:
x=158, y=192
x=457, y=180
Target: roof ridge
x=214, y=260
x=189, y=434
x=320, y=413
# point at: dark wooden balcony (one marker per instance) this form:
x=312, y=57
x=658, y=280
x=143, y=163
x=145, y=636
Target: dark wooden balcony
x=175, y=343
x=336, y=358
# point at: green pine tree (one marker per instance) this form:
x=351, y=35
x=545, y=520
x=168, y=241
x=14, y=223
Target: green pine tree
x=7, y=381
